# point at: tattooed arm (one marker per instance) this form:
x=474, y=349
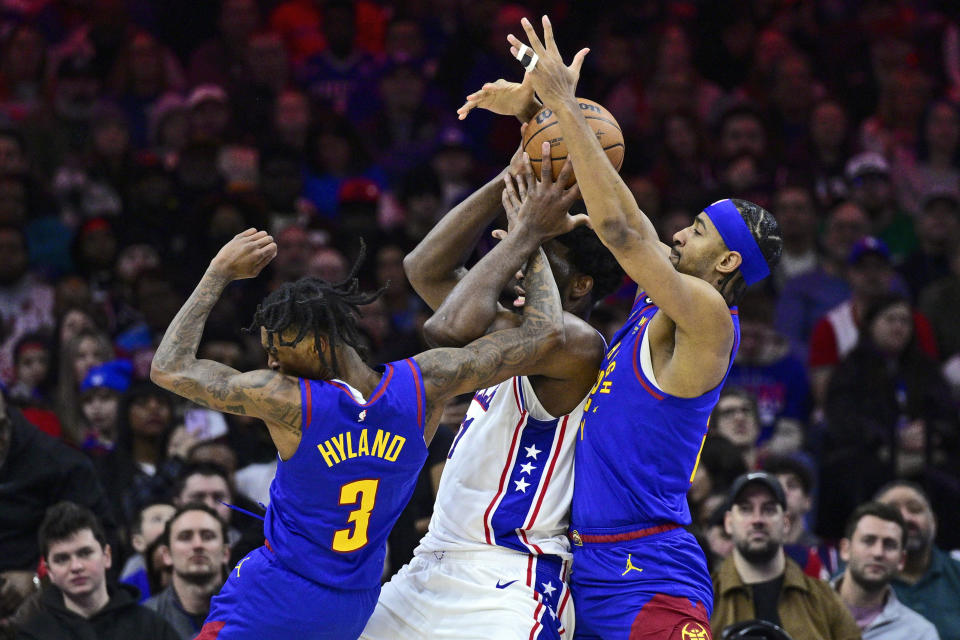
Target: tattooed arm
x=268, y=395
x=501, y=354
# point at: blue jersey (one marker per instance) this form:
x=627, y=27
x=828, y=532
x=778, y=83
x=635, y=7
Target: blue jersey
x=638, y=447
x=333, y=503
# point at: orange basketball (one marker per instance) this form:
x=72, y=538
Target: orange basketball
x=544, y=127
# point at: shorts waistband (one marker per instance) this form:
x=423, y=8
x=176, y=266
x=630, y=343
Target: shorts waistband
x=578, y=538
x=496, y=557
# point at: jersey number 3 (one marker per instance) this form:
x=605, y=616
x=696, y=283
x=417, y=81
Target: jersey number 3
x=364, y=494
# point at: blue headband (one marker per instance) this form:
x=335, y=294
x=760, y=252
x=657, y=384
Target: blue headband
x=735, y=233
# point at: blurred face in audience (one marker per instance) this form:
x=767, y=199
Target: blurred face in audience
x=846, y=225
x=267, y=60
x=149, y=416
x=13, y=257
x=78, y=565
x=735, y=420
x=13, y=198
x=210, y=490
x=23, y=58
x=197, y=551
x=798, y=502
x=756, y=523
x=921, y=524
x=874, y=553
x=291, y=117
x=743, y=134
x=329, y=264
x=89, y=354
x=216, y=452
x=33, y=364
x=942, y=131
x=892, y=329
x=152, y=521
x=796, y=215
x=100, y=408
x=828, y=125
x=74, y=322
x=871, y=275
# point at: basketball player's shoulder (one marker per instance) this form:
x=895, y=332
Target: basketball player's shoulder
x=581, y=340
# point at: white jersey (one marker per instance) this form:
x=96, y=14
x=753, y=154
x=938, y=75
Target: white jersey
x=508, y=479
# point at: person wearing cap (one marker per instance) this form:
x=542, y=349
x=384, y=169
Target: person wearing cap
x=938, y=235
x=100, y=394
x=868, y=176
x=871, y=276
x=873, y=548
x=209, y=113
x=758, y=581
x=659, y=380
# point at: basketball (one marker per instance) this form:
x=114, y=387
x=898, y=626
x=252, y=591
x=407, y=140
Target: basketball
x=544, y=127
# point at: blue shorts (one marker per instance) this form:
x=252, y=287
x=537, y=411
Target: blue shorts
x=262, y=599
x=656, y=584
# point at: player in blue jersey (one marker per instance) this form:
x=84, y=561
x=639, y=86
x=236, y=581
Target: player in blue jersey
x=637, y=573
x=351, y=439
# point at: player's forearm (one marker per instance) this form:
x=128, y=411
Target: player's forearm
x=444, y=250
x=613, y=211
x=470, y=308
x=542, y=309
x=178, y=348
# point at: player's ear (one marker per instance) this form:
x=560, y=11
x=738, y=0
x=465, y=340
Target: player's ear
x=729, y=262
x=581, y=286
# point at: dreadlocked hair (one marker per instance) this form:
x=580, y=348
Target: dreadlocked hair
x=313, y=305
x=766, y=233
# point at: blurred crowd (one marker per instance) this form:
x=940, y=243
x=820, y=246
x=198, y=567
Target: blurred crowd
x=137, y=136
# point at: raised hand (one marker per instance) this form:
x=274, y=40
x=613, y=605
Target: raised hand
x=245, y=255
x=542, y=207
x=505, y=98
x=551, y=78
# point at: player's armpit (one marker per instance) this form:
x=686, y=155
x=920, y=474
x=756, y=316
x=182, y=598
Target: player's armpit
x=269, y=395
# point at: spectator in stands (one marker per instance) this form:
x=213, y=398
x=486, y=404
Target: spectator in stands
x=929, y=582
x=765, y=367
x=99, y=399
x=33, y=371
x=220, y=60
x=873, y=548
x=146, y=528
x=871, y=276
x=868, y=175
x=735, y=418
x=22, y=63
x=797, y=216
x=940, y=302
x=26, y=302
x=938, y=235
x=816, y=558
x=888, y=413
x=87, y=349
x=821, y=159
x=759, y=582
x=195, y=545
x=934, y=163
x=209, y=484
x=78, y=602
x=807, y=297
x=35, y=472
x=138, y=470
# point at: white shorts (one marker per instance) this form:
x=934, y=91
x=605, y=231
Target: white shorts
x=467, y=595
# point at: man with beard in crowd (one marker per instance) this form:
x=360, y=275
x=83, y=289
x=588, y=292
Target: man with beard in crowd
x=929, y=582
x=758, y=581
x=195, y=545
x=873, y=548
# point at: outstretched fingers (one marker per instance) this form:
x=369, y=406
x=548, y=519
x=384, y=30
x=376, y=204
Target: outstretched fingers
x=546, y=164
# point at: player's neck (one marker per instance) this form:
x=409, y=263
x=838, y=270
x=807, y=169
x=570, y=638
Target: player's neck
x=752, y=573
x=355, y=372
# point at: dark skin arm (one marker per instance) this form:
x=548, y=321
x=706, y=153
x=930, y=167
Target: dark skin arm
x=502, y=354
x=265, y=394
x=537, y=211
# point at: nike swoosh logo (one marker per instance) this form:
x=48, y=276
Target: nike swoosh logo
x=504, y=586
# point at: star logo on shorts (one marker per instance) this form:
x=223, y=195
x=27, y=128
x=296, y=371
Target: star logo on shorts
x=694, y=631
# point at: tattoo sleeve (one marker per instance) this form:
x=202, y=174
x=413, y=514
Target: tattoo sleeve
x=268, y=395
x=502, y=354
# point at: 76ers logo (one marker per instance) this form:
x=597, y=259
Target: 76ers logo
x=694, y=631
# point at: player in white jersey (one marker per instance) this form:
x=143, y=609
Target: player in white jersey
x=495, y=559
